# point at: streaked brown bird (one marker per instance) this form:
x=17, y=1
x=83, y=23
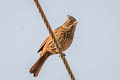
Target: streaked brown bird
x=64, y=35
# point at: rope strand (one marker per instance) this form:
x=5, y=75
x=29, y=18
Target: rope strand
x=55, y=41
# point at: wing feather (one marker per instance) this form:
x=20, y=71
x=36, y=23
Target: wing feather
x=42, y=45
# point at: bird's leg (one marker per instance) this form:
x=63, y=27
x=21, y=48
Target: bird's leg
x=63, y=54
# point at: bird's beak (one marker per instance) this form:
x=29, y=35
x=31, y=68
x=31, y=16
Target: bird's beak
x=75, y=22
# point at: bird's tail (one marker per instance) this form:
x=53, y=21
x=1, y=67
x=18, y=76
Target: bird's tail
x=35, y=69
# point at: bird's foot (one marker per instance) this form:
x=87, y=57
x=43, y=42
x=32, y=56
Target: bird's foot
x=63, y=54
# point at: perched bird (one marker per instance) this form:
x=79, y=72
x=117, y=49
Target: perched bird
x=64, y=35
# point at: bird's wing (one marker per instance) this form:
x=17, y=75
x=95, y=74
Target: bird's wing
x=42, y=45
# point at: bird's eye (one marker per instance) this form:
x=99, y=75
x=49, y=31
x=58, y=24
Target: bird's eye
x=70, y=22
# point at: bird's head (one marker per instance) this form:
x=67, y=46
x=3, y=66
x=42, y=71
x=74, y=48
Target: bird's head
x=71, y=21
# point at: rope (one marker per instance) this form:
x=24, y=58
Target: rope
x=53, y=37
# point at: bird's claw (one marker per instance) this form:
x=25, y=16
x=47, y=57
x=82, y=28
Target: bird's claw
x=63, y=54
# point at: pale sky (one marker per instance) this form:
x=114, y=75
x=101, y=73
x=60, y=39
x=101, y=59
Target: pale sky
x=93, y=55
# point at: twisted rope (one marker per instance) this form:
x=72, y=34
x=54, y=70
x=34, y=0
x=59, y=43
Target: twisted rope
x=53, y=37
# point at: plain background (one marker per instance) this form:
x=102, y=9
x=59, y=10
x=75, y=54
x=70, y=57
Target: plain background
x=94, y=54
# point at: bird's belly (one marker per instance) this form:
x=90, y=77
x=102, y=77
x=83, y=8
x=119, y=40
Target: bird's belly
x=65, y=44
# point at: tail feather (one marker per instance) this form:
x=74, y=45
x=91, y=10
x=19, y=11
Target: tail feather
x=35, y=69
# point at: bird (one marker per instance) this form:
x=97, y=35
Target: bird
x=64, y=35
